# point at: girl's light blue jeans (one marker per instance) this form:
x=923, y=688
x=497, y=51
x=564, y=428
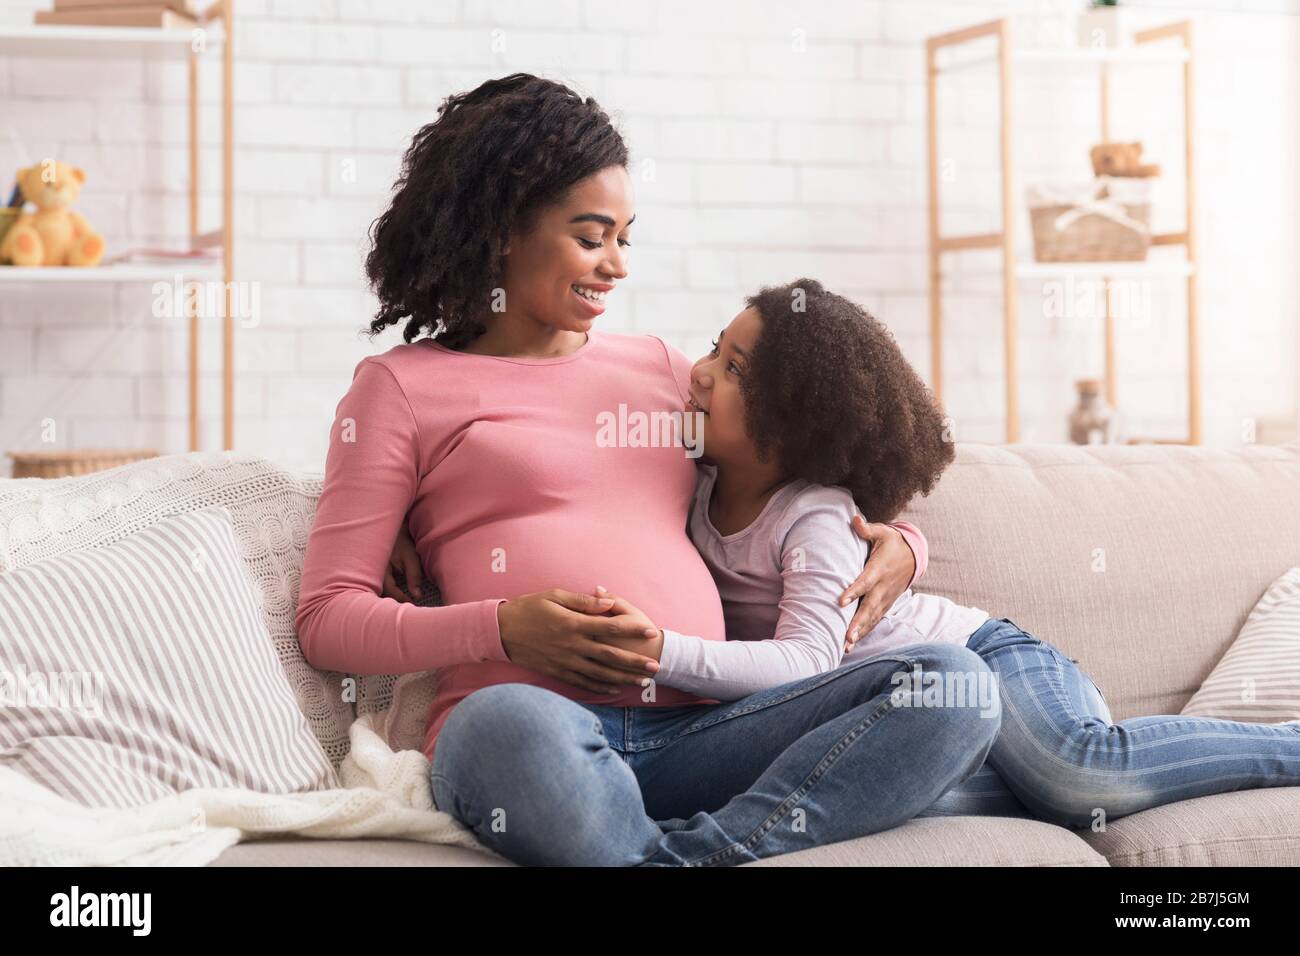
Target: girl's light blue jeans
x=1059, y=757
x=544, y=780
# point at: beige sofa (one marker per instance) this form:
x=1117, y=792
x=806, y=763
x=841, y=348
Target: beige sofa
x=1140, y=561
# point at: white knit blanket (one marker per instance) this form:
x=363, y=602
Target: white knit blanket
x=386, y=794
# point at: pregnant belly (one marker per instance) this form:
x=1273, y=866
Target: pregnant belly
x=661, y=573
x=655, y=568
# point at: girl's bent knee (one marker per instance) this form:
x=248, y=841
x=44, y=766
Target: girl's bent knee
x=949, y=657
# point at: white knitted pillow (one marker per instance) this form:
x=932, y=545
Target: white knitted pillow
x=138, y=670
x=272, y=511
x=1258, y=679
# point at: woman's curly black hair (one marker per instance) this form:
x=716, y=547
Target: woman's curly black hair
x=493, y=158
x=828, y=391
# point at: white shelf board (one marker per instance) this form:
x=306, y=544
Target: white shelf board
x=1150, y=269
x=1068, y=55
x=1133, y=54
x=145, y=43
x=1109, y=270
x=113, y=273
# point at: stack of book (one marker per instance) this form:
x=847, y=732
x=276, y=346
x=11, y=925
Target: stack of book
x=166, y=14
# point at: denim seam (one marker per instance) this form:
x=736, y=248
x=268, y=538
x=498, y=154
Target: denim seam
x=1010, y=708
x=1057, y=658
x=1042, y=798
x=795, y=798
x=437, y=776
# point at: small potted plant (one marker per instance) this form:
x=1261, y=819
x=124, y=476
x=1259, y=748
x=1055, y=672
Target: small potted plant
x=1103, y=25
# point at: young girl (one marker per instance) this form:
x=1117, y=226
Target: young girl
x=808, y=407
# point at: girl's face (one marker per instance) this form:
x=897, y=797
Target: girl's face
x=715, y=391
x=559, y=273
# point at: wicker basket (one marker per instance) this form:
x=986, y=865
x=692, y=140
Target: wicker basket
x=60, y=464
x=1107, y=220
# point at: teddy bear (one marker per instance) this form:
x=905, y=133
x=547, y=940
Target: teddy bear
x=1120, y=159
x=53, y=235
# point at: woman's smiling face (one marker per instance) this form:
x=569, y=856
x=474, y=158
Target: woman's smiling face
x=561, y=270
x=715, y=392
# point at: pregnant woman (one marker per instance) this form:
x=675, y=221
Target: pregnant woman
x=508, y=230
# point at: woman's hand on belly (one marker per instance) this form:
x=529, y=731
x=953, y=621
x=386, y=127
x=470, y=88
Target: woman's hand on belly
x=886, y=575
x=563, y=634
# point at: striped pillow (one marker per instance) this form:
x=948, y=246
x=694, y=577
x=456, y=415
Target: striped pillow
x=137, y=670
x=1258, y=680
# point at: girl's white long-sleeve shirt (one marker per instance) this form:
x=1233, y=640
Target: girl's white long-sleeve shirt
x=780, y=580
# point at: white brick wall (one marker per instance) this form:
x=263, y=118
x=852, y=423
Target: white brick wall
x=754, y=164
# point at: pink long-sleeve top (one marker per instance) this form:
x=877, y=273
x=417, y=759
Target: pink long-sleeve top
x=513, y=485
x=510, y=490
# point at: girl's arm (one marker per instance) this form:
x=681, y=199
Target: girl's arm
x=371, y=474
x=817, y=558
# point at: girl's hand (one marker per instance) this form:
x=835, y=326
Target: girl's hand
x=649, y=641
x=564, y=635
x=886, y=575
x=404, y=559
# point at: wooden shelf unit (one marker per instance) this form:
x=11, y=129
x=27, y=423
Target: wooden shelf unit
x=156, y=44
x=1005, y=239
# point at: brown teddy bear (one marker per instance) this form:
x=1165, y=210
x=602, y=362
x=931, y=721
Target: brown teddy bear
x=53, y=235
x=1120, y=159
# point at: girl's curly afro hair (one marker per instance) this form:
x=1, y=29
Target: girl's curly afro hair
x=494, y=157
x=828, y=391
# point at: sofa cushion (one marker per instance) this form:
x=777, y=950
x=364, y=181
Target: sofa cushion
x=1141, y=561
x=950, y=841
x=1243, y=828
x=1258, y=680
x=272, y=510
x=142, y=669
x=351, y=853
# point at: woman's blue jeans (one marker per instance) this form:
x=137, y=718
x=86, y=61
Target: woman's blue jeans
x=544, y=780
x=1058, y=757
